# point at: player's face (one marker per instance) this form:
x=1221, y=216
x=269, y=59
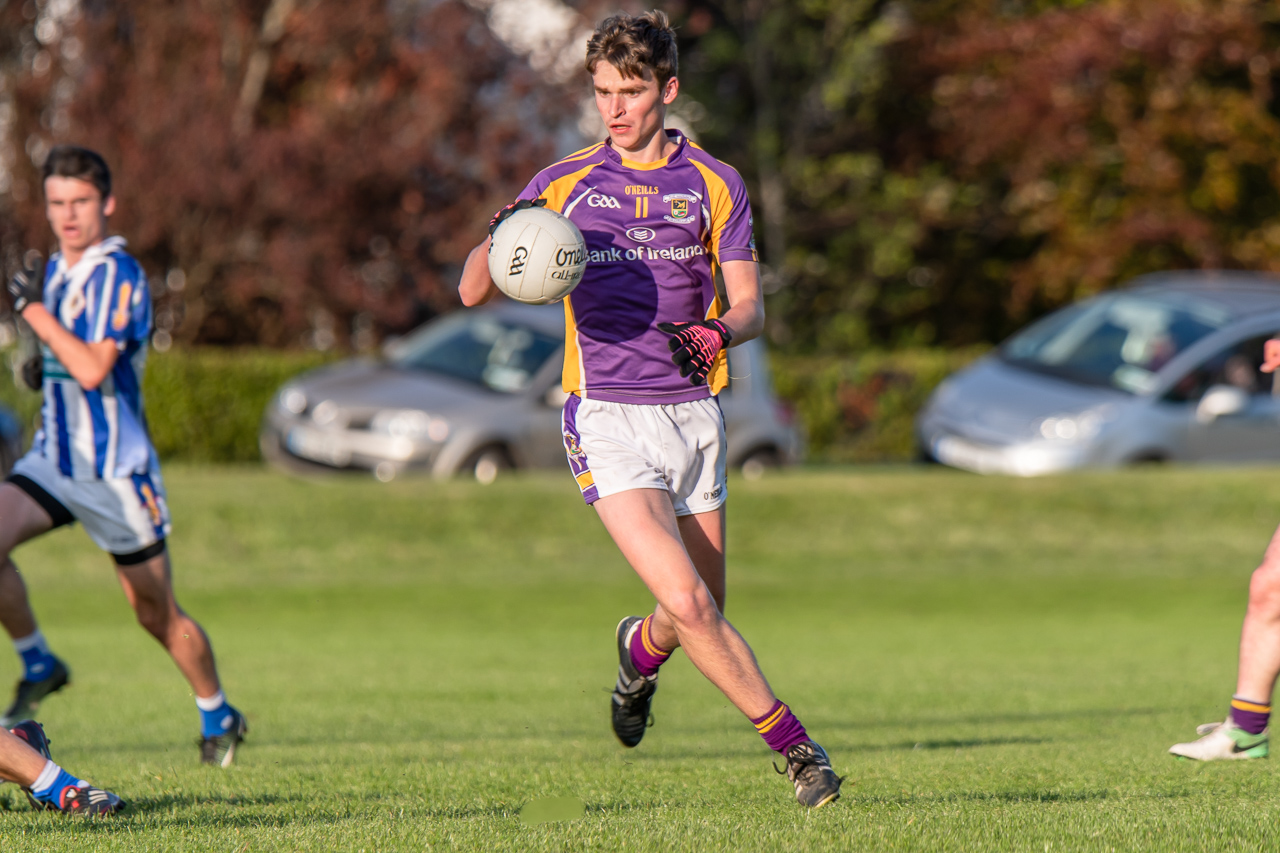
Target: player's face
x=77, y=211
x=633, y=108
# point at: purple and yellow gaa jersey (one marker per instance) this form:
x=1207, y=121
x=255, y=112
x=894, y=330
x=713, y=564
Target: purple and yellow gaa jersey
x=655, y=234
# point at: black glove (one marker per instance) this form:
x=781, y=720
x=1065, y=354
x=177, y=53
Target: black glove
x=28, y=285
x=33, y=372
x=694, y=346
x=522, y=204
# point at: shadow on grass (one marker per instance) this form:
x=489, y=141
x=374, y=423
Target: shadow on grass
x=970, y=743
x=996, y=718
x=1013, y=797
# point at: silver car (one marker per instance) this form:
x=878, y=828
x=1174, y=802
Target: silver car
x=478, y=392
x=1167, y=369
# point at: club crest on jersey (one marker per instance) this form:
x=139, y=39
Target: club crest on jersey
x=73, y=307
x=682, y=207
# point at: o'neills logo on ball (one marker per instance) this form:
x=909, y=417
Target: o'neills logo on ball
x=570, y=257
x=518, y=257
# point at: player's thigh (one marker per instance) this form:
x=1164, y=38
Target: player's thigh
x=643, y=524
x=149, y=582
x=21, y=518
x=704, y=537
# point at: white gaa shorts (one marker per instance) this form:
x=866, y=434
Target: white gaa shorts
x=676, y=447
x=124, y=516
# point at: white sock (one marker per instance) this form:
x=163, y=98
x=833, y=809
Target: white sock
x=31, y=641
x=47, y=777
x=212, y=703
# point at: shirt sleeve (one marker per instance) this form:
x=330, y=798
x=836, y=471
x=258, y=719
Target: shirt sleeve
x=732, y=231
x=536, y=187
x=123, y=313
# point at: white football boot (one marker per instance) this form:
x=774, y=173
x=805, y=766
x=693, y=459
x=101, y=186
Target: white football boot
x=1223, y=741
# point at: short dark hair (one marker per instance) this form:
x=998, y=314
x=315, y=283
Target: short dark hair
x=70, y=161
x=632, y=43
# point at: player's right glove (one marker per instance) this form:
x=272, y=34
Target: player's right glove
x=28, y=285
x=694, y=346
x=522, y=204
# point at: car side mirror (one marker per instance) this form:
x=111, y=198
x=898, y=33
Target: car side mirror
x=1219, y=401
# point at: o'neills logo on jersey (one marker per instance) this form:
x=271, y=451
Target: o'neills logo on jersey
x=644, y=253
x=638, y=190
x=682, y=207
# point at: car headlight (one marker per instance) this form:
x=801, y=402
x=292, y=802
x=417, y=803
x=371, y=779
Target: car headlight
x=292, y=400
x=410, y=423
x=1079, y=427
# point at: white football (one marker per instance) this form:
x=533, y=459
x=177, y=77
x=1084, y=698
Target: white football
x=537, y=256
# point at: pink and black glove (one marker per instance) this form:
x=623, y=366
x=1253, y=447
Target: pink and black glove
x=694, y=346
x=522, y=204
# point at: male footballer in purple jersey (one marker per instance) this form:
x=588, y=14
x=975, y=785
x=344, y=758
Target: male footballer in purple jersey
x=92, y=460
x=644, y=358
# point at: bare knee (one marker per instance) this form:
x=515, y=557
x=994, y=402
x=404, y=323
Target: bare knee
x=694, y=610
x=154, y=617
x=1264, y=590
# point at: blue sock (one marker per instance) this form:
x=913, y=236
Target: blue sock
x=37, y=660
x=215, y=715
x=47, y=791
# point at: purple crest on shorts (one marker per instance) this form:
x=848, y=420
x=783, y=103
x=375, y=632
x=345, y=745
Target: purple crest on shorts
x=578, y=464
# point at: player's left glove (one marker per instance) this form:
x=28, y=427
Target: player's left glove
x=522, y=204
x=28, y=285
x=694, y=346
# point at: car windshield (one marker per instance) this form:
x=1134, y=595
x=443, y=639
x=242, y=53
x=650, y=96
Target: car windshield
x=498, y=354
x=1119, y=340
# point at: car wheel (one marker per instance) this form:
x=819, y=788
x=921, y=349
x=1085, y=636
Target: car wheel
x=758, y=461
x=488, y=463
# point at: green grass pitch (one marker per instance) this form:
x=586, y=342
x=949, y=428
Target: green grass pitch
x=994, y=664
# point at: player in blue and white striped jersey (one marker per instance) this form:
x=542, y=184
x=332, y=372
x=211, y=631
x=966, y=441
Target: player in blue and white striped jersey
x=92, y=460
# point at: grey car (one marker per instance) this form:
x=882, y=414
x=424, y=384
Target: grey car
x=478, y=392
x=1167, y=369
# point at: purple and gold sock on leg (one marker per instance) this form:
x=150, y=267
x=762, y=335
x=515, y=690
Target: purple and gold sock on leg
x=1249, y=715
x=780, y=728
x=646, y=655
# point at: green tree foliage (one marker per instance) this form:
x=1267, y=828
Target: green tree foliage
x=941, y=172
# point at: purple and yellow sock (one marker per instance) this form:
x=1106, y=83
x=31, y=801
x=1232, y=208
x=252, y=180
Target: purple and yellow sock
x=646, y=655
x=1249, y=715
x=780, y=728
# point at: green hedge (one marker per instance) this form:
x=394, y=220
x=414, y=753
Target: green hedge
x=203, y=405
x=862, y=409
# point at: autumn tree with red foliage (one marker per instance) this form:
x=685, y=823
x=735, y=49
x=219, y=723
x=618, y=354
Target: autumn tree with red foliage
x=950, y=169
x=1119, y=138
x=286, y=171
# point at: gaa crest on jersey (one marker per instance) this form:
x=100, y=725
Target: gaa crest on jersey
x=683, y=206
